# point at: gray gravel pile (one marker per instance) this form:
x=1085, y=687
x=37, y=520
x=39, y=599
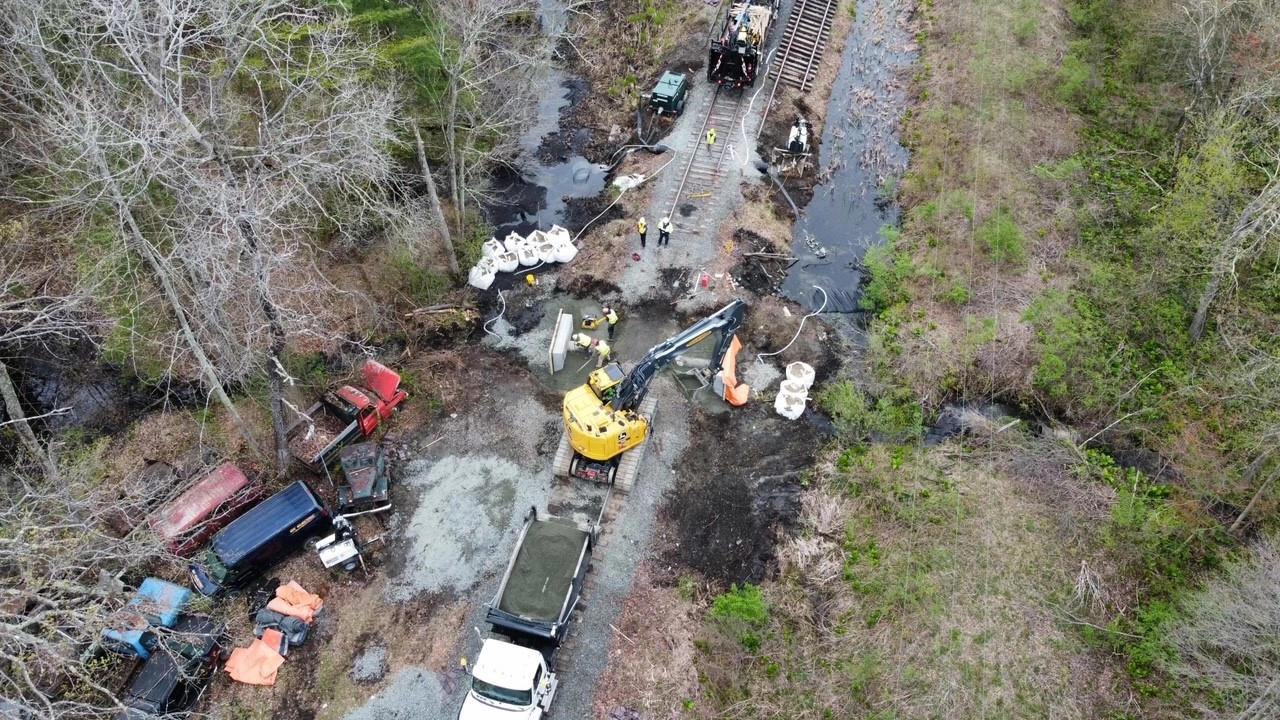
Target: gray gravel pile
x=414, y=694
x=370, y=665
x=469, y=509
x=761, y=376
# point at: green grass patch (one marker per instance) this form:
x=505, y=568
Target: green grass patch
x=1002, y=239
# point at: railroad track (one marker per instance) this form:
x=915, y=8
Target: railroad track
x=800, y=53
x=705, y=169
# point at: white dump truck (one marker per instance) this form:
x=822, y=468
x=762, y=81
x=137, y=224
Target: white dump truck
x=514, y=675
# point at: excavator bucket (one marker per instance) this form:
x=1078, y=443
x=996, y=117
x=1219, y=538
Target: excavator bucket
x=735, y=393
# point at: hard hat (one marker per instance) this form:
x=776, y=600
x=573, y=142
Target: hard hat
x=575, y=337
x=605, y=310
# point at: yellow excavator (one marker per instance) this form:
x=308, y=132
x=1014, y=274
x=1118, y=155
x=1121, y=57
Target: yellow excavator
x=606, y=419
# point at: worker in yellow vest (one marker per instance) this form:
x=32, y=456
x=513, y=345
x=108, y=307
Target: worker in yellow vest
x=711, y=138
x=611, y=316
x=602, y=351
x=592, y=345
x=642, y=227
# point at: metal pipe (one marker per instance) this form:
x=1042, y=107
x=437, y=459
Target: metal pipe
x=767, y=169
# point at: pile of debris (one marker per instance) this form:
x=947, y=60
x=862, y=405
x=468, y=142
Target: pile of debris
x=284, y=621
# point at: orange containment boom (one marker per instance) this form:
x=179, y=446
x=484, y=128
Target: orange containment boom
x=734, y=393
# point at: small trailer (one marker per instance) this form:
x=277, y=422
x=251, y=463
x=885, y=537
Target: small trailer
x=530, y=612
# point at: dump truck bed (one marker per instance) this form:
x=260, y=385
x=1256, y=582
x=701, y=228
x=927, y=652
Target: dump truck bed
x=544, y=579
x=314, y=447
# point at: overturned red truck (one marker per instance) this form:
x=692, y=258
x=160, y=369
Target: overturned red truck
x=343, y=415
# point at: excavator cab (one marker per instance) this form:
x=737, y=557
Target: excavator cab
x=604, y=382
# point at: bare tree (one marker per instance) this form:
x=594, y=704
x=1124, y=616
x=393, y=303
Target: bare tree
x=32, y=310
x=224, y=136
x=492, y=56
x=433, y=199
x=59, y=570
x=1206, y=28
x=1255, y=226
x=1229, y=643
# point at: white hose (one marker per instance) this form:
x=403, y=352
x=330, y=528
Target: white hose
x=495, y=317
x=624, y=192
x=797, y=335
x=746, y=156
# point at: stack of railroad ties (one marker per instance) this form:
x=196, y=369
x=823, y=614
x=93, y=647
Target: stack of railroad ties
x=554, y=245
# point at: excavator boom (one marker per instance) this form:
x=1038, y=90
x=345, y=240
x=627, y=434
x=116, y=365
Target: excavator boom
x=723, y=323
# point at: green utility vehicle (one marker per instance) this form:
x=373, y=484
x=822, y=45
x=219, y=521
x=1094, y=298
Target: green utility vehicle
x=669, y=94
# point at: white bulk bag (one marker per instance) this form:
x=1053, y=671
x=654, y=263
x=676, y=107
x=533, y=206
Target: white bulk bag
x=565, y=251
x=791, y=387
x=558, y=234
x=789, y=406
x=480, y=277
x=507, y=262
x=514, y=240
x=527, y=256
x=546, y=252
x=492, y=248
x=801, y=373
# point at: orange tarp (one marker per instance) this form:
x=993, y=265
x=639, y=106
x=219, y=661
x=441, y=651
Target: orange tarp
x=292, y=599
x=734, y=393
x=258, y=663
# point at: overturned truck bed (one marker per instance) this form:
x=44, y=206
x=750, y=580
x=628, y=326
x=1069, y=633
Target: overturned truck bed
x=543, y=582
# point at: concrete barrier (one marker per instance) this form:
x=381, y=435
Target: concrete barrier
x=559, y=347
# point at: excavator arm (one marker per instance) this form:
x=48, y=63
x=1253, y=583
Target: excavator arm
x=724, y=323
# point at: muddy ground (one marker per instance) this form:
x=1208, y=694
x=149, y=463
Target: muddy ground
x=738, y=489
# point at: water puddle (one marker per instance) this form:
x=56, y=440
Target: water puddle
x=532, y=193
x=70, y=389
x=859, y=160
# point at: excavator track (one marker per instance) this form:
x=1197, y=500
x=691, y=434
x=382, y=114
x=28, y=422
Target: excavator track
x=628, y=465
x=564, y=456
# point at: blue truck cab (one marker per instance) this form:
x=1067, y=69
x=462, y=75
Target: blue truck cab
x=157, y=604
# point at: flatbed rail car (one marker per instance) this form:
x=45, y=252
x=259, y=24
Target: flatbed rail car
x=736, y=51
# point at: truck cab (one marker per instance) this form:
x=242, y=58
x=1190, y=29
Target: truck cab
x=343, y=414
x=173, y=679
x=509, y=682
x=134, y=629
